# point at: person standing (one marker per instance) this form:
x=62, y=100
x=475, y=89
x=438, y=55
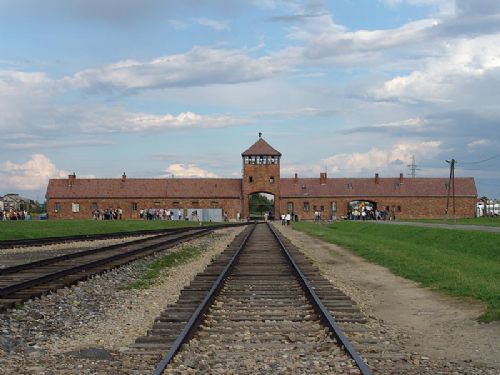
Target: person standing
x=283, y=219
x=288, y=218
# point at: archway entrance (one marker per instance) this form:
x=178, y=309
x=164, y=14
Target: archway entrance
x=361, y=210
x=260, y=204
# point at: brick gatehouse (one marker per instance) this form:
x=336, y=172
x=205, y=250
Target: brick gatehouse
x=210, y=198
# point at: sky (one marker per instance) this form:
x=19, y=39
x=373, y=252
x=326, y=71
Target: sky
x=163, y=88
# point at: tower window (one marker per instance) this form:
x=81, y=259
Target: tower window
x=271, y=180
x=250, y=178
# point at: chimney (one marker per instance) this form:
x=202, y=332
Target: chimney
x=124, y=177
x=296, y=179
x=401, y=178
x=377, y=179
x=71, y=179
x=322, y=178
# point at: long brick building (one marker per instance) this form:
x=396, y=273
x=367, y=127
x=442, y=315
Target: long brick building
x=210, y=198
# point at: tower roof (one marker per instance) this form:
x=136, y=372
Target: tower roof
x=261, y=147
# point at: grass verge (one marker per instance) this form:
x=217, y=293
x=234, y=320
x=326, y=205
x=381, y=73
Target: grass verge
x=484, y=221
x=460, y=263
x=13, y=230
x=155, y=267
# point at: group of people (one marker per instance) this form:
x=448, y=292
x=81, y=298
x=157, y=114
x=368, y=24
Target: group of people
x=286, y=218
x=160, y=214
x=14, y=215
x=108, y=214
x=369, y=214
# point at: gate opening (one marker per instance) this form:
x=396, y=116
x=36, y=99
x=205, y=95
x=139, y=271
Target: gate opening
x=361, y=210
x=260, y=206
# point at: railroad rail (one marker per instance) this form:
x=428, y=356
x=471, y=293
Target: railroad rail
x=22, y=282
x=253, y=309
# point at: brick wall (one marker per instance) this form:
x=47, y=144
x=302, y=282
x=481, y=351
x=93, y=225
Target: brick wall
x=230, y=205
x=410, y=207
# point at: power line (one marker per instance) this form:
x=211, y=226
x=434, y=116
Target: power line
x=481, y=161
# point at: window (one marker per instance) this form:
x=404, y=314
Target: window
x=271, y=180
x=176, y=204
x=306, y=206
x=322, y=208
x=250, y=179
x=93, y=206
x=157, y=204
x=289, y=207
x=349, y=186
x=214, y=203
x=133, y=206
x=315, y=208
x=57, y=207
x=75, y=207
x=195, y=203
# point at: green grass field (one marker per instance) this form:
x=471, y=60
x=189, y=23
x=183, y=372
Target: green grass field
x=460, y=263
x=486, y=221
x=13, y=230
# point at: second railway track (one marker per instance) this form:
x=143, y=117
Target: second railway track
x=260, y=316
x=22, y=282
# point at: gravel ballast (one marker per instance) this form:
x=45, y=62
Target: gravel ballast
x=86, y=329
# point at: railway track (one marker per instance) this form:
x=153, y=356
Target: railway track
x=6, y=244
x=25, y=281
x=254, y=311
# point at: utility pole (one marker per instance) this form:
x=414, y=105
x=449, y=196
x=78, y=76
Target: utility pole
x=451, y=190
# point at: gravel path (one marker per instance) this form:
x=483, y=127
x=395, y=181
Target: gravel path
x=434, y=334
x=86, y=329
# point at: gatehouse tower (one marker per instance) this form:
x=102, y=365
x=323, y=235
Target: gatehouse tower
x=261, y=174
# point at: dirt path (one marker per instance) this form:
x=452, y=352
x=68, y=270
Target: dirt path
x=438, y=326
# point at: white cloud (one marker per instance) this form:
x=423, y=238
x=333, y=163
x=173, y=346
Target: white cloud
x=187, y=170
x=482, y=144
x=442, y=6
x=465, y=60
x=213, y=24
x=32, y=175
x=325, y=39
x=393, y=160
x=117, y=120
x=198, y=67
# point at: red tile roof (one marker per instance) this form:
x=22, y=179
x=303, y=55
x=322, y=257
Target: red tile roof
x=144, y=188
x=360, y=187
x=261, y=147
x=231, y=188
